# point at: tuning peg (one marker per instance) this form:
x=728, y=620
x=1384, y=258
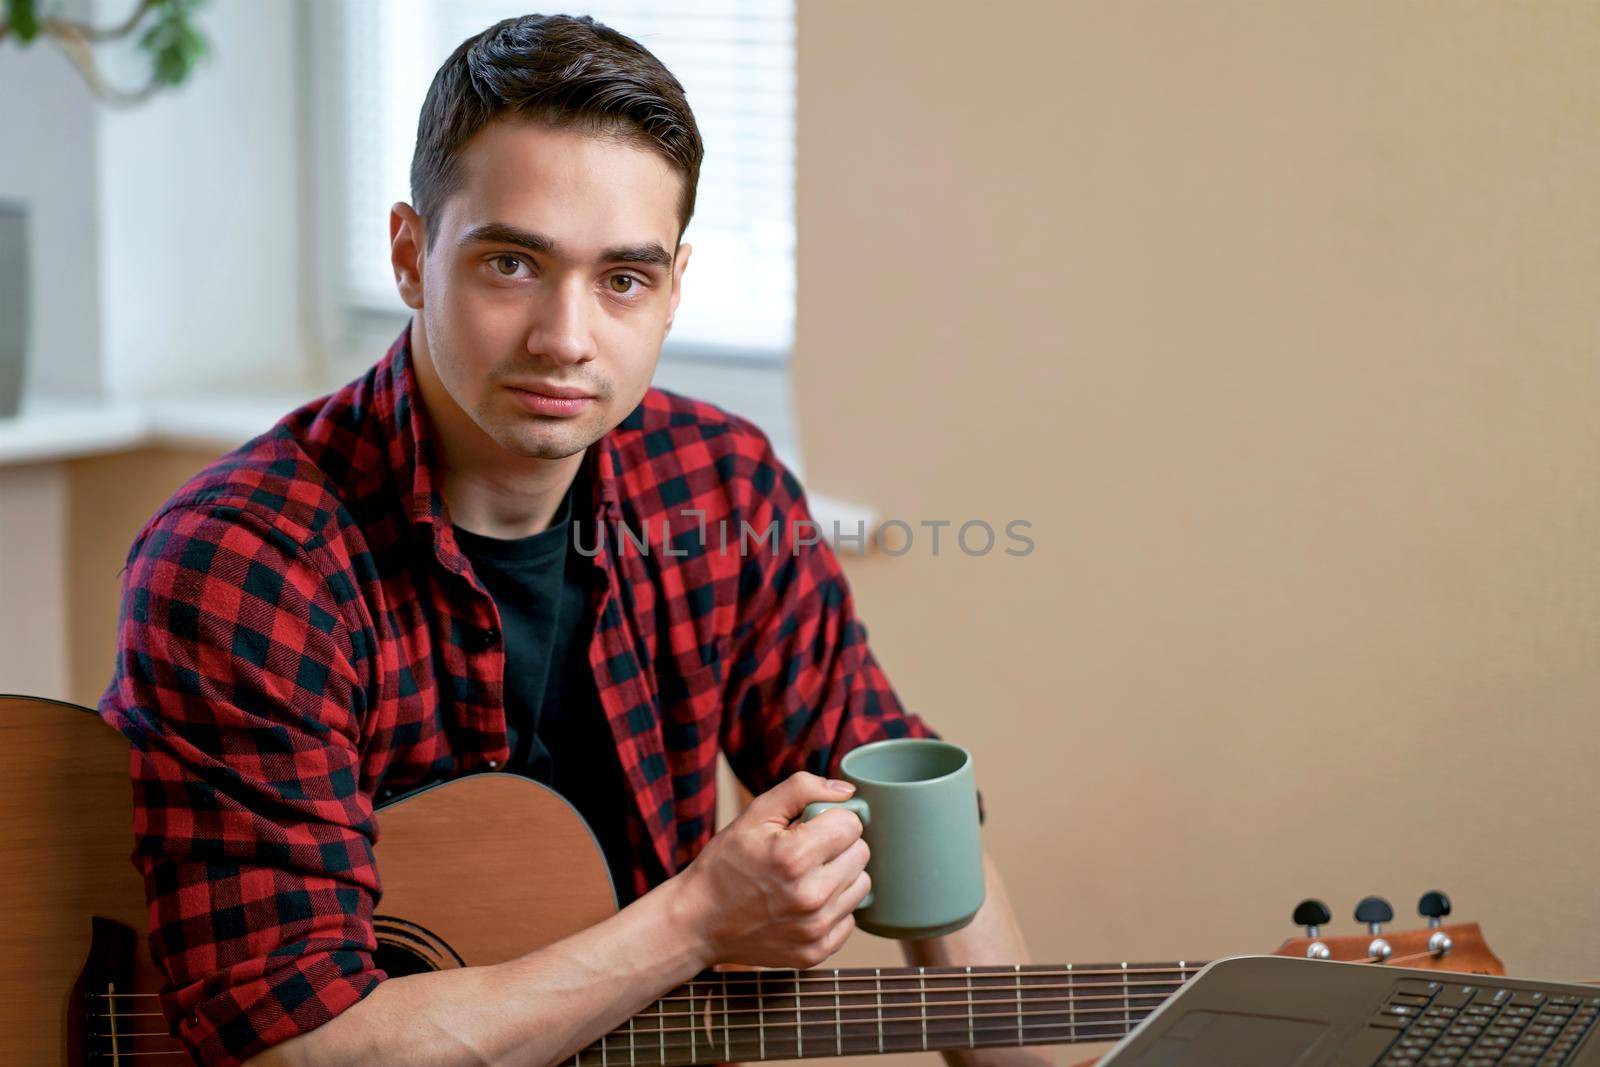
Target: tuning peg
x=1313, y=914
x=1434, y=906
x=1375, y=911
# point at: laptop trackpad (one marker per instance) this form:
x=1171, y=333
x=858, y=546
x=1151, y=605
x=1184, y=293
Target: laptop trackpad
x=1233, y=1039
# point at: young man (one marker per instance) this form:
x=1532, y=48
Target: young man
x=387, y=589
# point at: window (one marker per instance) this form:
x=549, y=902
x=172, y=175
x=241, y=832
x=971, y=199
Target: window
x=735, y=59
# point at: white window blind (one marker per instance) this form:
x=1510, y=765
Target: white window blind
x=735, y=59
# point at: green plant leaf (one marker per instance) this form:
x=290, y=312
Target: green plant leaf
x=174, y=45
x=23, y=15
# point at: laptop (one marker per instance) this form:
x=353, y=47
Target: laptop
x=1277, y=1011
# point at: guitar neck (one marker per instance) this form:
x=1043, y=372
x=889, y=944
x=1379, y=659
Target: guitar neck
x=727, y=1016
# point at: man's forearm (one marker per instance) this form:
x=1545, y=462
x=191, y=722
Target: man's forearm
x=534, y=1010
x=993, y=937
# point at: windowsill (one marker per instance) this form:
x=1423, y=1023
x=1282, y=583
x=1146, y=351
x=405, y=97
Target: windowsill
x=52, y=429
x=56, y=429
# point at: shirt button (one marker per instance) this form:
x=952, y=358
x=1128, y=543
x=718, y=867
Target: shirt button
x=493, y=764
x=484, y=640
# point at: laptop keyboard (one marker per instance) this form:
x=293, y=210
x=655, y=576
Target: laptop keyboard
x=1455, y=1025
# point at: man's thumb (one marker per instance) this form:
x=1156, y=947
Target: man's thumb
x=785, y=801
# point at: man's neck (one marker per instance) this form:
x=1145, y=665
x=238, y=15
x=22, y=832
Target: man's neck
x=508, y=504
x=487, y=490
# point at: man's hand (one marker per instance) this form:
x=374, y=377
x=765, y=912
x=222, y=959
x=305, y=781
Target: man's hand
x=767, y=893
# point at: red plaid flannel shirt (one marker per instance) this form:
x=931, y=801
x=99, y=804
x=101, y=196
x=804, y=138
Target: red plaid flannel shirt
x=301, y=636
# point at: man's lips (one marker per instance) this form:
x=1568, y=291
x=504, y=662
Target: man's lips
x=561, y=392
x=541, y=403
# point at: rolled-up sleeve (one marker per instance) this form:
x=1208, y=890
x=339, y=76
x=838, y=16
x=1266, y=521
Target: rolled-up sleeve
x=804, y=689
x=234, y=685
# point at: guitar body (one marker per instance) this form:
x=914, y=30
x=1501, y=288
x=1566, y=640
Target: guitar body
x=480, y=870
x=65, y=842
x=475, y=871
x=483, y=869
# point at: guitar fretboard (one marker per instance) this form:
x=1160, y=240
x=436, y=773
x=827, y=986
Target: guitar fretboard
x=725, y=1016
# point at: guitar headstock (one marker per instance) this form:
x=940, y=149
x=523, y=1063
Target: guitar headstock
x=1438, y=946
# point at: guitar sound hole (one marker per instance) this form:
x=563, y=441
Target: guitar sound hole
x=406, y=948
x=399, y=960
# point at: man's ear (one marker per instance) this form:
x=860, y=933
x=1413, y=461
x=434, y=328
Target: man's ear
x=680, y=261
x=407, y=241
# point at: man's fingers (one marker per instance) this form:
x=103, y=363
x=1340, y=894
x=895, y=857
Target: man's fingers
x=826, y=838
x=852, y=897
x=848, y=871
x=785, y=802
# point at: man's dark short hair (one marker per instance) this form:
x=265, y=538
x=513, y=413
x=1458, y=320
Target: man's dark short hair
x=565, y=72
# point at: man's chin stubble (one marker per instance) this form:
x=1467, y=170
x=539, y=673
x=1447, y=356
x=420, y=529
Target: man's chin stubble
x=538, y=445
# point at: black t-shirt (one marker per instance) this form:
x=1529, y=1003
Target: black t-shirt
x=555, y=725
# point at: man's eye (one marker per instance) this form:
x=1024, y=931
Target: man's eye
x=500, y=265
x=631, y=285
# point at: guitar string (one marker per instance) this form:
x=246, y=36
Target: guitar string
x=730, y=977
x=832, y=1011
x=961, y=977
x=829, y=1010
x=1170, y=987
x=710, y=996
x=1003, y=1019
x=958, y=981
x=958, y=976
x=983, y=1025
x=991, y=1022
x=819, y=1011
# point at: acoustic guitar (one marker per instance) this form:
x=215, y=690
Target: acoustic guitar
x=77, y=985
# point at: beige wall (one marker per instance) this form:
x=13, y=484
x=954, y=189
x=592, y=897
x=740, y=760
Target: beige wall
x=1278, y=323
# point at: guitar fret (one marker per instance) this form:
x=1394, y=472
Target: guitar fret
x=111, y=1014
x=1127, y=1017
x=727, y=1021
x=633, y=1058
x=972, y=1041
x=693, y=1022
x=922, y=994
x=799, y=1033
x=661, y=1030
x=761, y=1018
x=1018, y=968
x=1072, y=1007
x=839, y=1019
x=877, y=981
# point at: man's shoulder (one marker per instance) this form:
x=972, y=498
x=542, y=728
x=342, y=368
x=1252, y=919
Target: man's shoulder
x=279, y=482
x=671, y=437
x=675, y=418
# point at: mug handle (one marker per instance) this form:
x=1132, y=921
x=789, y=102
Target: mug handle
x=855, y=804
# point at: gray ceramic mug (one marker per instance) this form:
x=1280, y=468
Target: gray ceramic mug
x=918, y=802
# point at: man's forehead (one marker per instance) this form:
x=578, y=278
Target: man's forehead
x=585, y=192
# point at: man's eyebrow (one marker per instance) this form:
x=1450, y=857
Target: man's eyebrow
x=650, y=252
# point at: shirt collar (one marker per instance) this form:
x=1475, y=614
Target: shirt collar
x=413, y=455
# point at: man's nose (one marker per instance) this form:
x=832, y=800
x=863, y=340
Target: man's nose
x=562, y=330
